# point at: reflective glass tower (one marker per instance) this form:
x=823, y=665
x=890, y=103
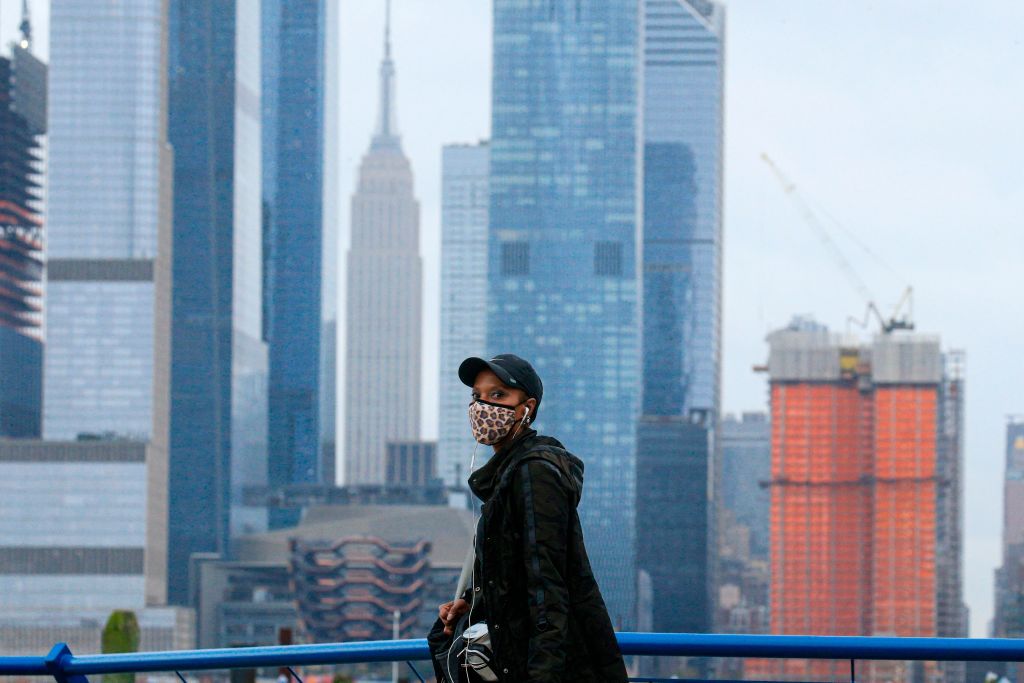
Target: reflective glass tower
x=464, y=201
x=109, y=244
x=683, y=122
x=297, y=246
x=562, y=251
x=109, y=221
x=218, y=378
x=683, y=55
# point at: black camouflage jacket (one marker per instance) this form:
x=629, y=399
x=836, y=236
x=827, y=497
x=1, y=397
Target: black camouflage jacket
x=533, y=581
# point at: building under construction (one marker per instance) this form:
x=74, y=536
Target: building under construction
x=865, y=491
x=22, y=123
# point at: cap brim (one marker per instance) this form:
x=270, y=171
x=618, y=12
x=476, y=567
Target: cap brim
x=471, y=367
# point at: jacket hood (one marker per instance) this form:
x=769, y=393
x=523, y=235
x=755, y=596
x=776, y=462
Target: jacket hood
x=485, y=480
x=571, y=467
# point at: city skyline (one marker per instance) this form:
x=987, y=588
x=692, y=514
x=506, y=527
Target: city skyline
x=864, y=111
x=759, y=288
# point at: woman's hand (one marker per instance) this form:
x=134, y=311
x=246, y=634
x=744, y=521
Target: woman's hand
x=451, y=612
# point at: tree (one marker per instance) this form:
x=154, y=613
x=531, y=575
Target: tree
x=121, y=634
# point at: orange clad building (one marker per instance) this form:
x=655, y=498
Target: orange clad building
x=859, y=487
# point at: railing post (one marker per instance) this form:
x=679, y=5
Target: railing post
x=55, y=662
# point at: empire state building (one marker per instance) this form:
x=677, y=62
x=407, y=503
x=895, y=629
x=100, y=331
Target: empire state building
x=385, y=279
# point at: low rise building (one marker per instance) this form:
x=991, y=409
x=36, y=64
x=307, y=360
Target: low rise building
x=82, y=533
x=337, y=576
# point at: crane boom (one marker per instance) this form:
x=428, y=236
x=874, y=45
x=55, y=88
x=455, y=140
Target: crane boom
x=895, y=321
x=811, y=218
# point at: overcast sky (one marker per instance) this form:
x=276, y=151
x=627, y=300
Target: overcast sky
x=899, y=122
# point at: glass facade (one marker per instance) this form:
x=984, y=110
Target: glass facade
x=99, y=360
x=218, y=378
x=683, y=123
x=77, y=504
x=464, y=202
x=107, y=148
x=293, y=49
x=330, y=217
x=21, y=384
x=672, y=538
x=562, y=252
x=71, y=593
x=72, y=537
x=105, y=128
x=682, y=196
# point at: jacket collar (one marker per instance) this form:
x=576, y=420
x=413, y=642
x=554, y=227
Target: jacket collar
x=483, y=482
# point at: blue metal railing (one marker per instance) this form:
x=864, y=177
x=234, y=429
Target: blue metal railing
x=66, y=667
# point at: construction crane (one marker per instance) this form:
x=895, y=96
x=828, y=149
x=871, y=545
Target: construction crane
x=894, y=321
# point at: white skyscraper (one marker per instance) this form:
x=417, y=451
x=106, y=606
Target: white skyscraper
x=464, y=200
x=382, y=379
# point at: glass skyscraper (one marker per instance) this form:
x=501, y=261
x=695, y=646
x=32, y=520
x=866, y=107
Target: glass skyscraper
x=298, y=246
x=109, y=259
x=670, y=451
x=562, y=251
x=109, y=221
x=683, y=122
x=464, y=202
x=219, y=374
x=683, y=55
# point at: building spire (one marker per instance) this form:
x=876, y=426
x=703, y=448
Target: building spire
x=387, y=30
x=387, y=128
x=26, y=26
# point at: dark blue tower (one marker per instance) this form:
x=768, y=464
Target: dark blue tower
x=293, y=47
x=219, y=363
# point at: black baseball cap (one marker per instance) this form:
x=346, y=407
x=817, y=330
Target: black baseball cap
x=510, y=369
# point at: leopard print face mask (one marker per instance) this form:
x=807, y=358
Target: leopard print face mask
x=490, y=422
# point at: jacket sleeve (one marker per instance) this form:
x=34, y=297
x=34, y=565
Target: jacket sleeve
x=545, y=514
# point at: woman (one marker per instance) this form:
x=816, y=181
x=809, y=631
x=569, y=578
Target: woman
x=533, y=584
